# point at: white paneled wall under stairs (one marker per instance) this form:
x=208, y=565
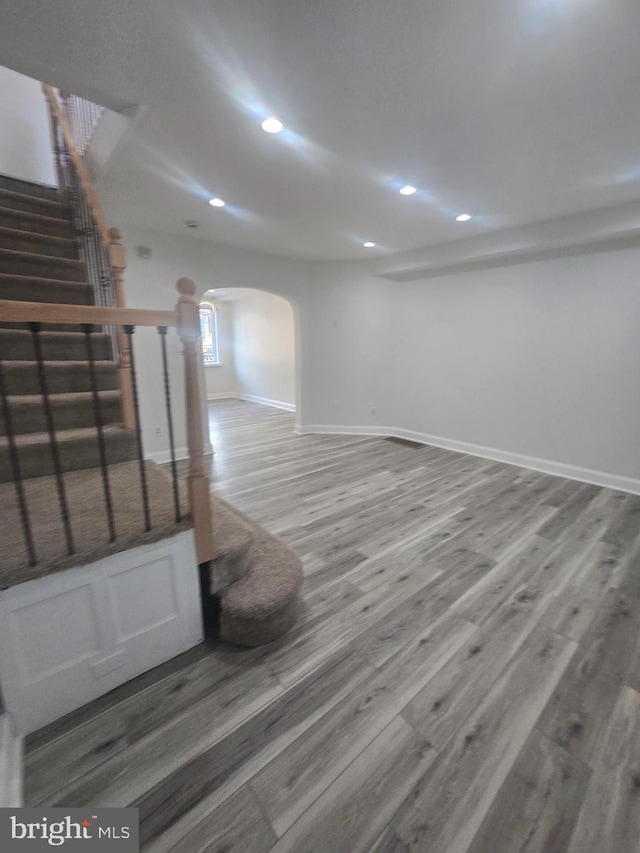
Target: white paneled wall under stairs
x=72, y=636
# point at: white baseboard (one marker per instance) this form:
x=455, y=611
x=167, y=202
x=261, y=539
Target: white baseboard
x=222, y=395
x=265, y=401
x=545, y=466
x=251, y=398
x=162, y=456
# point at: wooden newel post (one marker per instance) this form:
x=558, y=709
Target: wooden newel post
x=199, y=497
x=118, y=264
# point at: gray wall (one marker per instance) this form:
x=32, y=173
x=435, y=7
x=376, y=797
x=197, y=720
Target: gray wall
x=151, y=284
x=25, y=140
x=535, y=363
x=264, y=348
x=537, y=360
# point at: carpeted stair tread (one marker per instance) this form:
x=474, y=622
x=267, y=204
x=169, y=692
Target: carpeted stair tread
x=66, y=397
x=46, y=327
x=39, y=262
x=78, y=449
x=33, y=204
x=274, y=578
x=40, y=257
x=231, y=533
x=88, y=519
x=36, y=222
x=33, y=288
x=21, y=377
x=67, y=436
x=73, y=410
x=17, y=345
x=33, y=242
x=232, y=537
x=29, y=263
x=263, y=604
x=33, y=189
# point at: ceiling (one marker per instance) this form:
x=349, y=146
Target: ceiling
x=513, y=110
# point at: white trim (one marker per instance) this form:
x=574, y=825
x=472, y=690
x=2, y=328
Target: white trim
x=44, y=676
x=162, y=456
x=545, y=466
x=222, y=395
x=265, y=401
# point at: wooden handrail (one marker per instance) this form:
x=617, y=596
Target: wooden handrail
x=78, y=162
x=49, y=312
x=111, y=239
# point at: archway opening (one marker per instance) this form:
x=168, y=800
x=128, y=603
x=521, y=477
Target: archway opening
x=252, y=346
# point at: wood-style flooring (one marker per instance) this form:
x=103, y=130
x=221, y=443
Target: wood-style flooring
x=465, y=677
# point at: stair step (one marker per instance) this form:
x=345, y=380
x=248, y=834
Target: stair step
x=264, y=604
x=78, y=449
x=70, y=411
x=232, y=539
x=24, y=221
x=27, y=263
x=17, y=345
x=21, y=377
x=39, y=244
x=46, y=327
x=30, y=204
x=32, y=288
x=30, y=188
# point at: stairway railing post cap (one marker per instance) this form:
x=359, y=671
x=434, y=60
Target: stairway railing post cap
x=186, y=287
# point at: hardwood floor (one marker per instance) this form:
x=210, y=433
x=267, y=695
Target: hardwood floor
x=464, y=679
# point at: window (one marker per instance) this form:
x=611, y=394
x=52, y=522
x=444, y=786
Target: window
x=209, y=333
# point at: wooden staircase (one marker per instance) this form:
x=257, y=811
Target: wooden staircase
x=40, y=262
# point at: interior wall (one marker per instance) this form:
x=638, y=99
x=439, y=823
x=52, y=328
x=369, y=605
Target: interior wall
x=264, y=348
x=352, y=361
x=152, y=284
x=25, y=136
x=534, y=363
x=220, y=379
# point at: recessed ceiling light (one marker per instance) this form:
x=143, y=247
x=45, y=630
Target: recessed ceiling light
x=464, y=217
x=217, y=202
x=272, y=125
x=408, y=190
x=370, y=244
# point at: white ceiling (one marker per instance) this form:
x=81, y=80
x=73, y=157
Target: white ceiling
x=514, y=110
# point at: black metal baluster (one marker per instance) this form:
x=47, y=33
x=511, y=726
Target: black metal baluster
x=53, y=443
x=17, y=472
x=129, y=330
x=88, y=329
x=162, y=331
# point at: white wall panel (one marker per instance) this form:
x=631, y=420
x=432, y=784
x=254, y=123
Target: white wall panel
x=70, y=637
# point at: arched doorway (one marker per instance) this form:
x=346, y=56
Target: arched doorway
x=256, y=348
